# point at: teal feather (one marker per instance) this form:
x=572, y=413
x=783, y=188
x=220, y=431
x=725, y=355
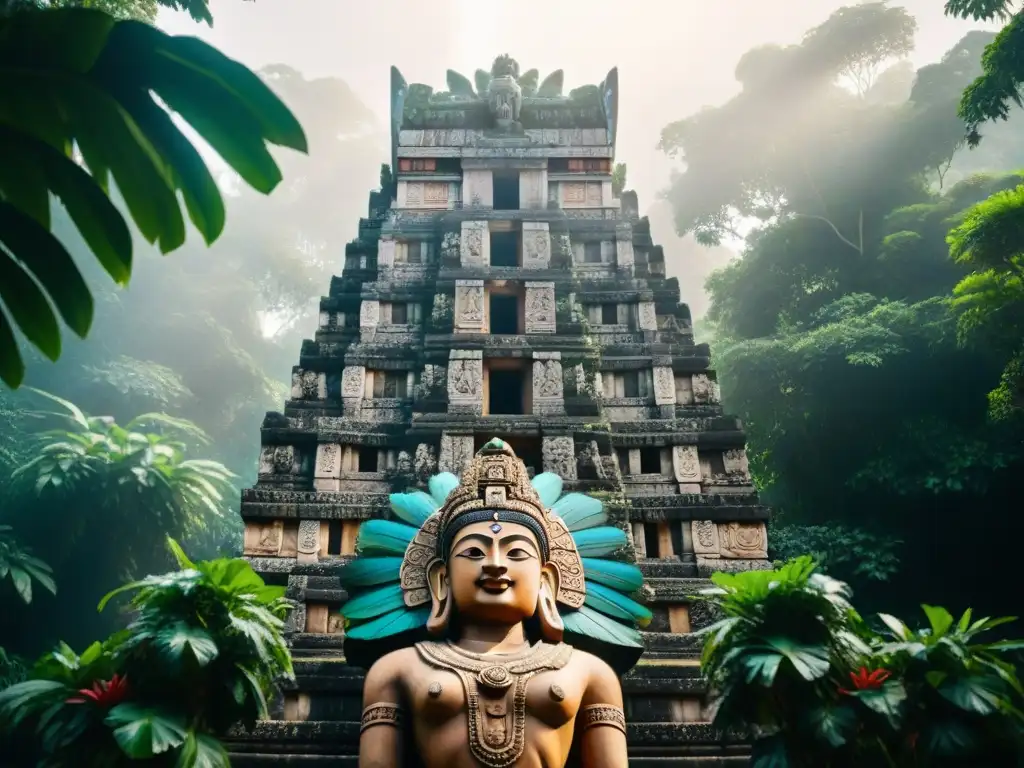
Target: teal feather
x=389, y=624
x=374, y=603
x=625, y=577
x=369, y=571
x=413, y=508
x=616, y=605
x=588, y=622
x=383, y=537
x=580, y=512
x=548, y=486
x=441, y=485
x=596, y=542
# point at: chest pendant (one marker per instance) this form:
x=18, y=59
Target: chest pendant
x=495, y=694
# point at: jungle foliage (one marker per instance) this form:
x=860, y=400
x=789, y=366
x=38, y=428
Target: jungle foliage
x=201, y=653
x=870, y=334
x=826, y=687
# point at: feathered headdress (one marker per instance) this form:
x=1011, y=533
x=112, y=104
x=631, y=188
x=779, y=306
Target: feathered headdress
x=389, y=599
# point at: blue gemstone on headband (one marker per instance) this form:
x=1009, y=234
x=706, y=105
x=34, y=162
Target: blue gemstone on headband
x=495, y=528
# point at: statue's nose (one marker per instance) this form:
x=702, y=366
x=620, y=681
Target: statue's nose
x=493, y=566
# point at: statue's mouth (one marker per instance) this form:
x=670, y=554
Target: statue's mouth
x=494, y=586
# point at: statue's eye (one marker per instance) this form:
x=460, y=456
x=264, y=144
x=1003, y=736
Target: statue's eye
x=474, y=553
x=519, y=554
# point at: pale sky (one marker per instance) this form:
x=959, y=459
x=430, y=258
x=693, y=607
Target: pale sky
x=674, y=56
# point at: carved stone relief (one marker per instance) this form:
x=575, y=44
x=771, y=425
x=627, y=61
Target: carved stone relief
x=664, y=386
x=335, y=623
x=465, y=381
x=574, y=193
x=536, y=245
x=743, y=540
x=413, y=193
x=280, y=460
x=456, y=453
x=475, y=244
x=686, y=464
x=705, y=538
x=369, y=313
x=309, y=541
x=424, y=463
x=540, y=308
x=435, y=194
x=647, y=320
x=386, y=253
x=469, y=306
x=703, y=393
x=559, y=456
x=593, y=194
x=353, y=381
x=263, y=539
x=328, y=460
x=736, y=464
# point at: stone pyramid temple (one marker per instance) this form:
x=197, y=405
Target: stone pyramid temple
x=501, y=285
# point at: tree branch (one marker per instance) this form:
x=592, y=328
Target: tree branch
x=858, y=248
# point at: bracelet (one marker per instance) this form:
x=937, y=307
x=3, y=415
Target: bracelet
x=381, y=713
x=604, y=714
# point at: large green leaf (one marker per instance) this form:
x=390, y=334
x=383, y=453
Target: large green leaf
x=28, y=306
x=67, y=39
x=142, y=733
x=769, y=752
x=833, y=723
x=939, y=618
x=886, y=701
x=810, y=661
x=973, y=693
x=178, y=638
x=51, y=264
x=12, y=367
x=201, y=750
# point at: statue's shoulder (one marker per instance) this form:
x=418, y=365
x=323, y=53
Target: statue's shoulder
x=598, y=671
x=392, y=665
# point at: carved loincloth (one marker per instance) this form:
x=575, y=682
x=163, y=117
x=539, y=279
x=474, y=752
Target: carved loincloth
x=492, y=683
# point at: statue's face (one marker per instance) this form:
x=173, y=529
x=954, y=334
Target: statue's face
x=494, y=572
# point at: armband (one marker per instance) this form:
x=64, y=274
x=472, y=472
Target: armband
x=381, y=713
x=604, y=714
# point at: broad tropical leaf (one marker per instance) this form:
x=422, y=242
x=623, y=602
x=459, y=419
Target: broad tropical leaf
x=78, y=79
x=143, y=733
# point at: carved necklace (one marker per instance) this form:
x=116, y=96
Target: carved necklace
x=491, y=683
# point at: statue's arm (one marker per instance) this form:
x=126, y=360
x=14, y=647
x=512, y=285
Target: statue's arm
x=602, y=721
x=380, y=739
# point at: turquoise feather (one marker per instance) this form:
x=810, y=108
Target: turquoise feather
x=441, y=485
x=625, y=577
x=383, y=537
x=370, y=571
x=616, y=605
x=596, y=542
x=588, y=622
x=580, y=512
x=548, y=486
x=389, y=624
x=413, y=508
x=374, y=603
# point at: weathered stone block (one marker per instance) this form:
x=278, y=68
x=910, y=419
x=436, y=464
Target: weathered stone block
x=647, y=319
x=540, y=308
x=475, y=244
x=548, y=391
x=465, y=382
x=469, y=306
x=706, y=541
x=456, y=453
x=369, y=313
x=664, y=386
x=536, y=245
x=309, y=541
x=263, y=538
x=743, y=540
x=559, y=456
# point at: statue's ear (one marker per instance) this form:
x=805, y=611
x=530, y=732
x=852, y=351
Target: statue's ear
x=440, y=597
x=547, y=609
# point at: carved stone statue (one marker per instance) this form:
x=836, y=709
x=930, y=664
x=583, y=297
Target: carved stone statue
x=490, y=645
x=504, y=94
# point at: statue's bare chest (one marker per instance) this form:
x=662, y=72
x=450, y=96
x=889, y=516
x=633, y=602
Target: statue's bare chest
x=495, y=697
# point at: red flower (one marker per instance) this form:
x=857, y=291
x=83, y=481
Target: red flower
x=103, y=693
x=863, y=680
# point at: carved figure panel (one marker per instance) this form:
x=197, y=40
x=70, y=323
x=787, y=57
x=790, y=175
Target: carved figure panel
x=540, y=307
x=475, y=248
x=743, y=540
x=353, y=381
x=435, y=194
x=664, y=386
x=308, y=541
x=465, y=380
x=559, y=456
x=413, y=193
x=574, y=193
x=624, y=256
x=536, y=246
x=593, y=194
x=736, y=464
x=705, y=538
x=547, y=379
x=456, y=453
x=369, y=313
x=686, y=464
x=263, y=538
x=287, y=460
x=328, y=460
x=646, y=317
x=702, y=394
x=469, y=306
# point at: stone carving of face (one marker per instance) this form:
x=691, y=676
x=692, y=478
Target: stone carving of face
x=495, y=572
